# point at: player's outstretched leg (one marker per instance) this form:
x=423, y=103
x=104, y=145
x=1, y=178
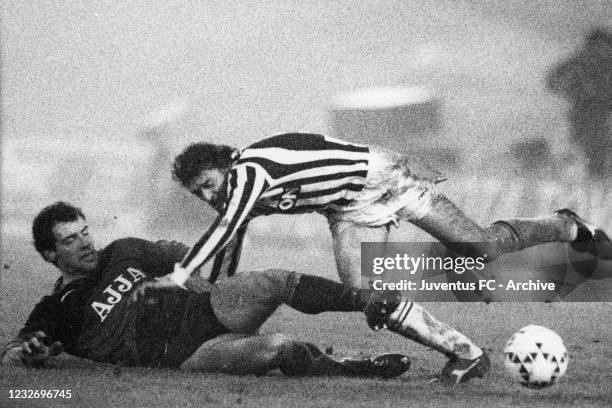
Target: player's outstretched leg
x=411, y=320
x=241, y=354
x=245, y=301
x=458, y=232
x=314, y=294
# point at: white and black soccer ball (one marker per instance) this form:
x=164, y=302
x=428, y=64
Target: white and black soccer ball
x=536, y=356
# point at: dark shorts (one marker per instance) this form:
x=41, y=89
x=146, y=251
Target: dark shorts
x=169, y=333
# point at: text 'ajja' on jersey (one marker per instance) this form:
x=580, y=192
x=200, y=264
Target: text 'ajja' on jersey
x=94, y=319
x=284, y=174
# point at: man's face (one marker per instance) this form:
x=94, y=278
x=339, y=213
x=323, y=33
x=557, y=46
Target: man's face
x=210, y=186
x=74, y=248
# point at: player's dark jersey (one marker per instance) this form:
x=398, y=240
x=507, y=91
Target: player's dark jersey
x=285, y=174
x=93, y=318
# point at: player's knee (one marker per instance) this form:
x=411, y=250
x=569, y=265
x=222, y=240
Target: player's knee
x=278, y=341
x=486, y=251
x=279, y=345
x=490, y=255
x=291, y=356
x=279, y=282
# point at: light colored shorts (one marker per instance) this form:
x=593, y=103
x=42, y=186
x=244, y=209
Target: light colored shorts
x=397, y=187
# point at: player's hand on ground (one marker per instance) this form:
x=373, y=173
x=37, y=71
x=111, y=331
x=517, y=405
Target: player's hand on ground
x=12, y=357
x=35, y=351
x=147, y=292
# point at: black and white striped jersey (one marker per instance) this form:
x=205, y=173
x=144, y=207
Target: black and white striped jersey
x=285, y=174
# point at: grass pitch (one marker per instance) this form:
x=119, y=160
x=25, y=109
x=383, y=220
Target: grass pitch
x=583, y=326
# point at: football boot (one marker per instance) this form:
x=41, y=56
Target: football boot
x=458, y=370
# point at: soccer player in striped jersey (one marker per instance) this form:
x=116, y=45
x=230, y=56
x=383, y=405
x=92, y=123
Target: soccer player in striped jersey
x=360, y=190
x=287, y=174
x=357, y=187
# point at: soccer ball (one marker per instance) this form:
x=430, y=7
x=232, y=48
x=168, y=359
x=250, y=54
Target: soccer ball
x=536, y=356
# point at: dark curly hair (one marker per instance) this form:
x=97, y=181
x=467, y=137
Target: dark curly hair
x=42, y=227
x=198, y=157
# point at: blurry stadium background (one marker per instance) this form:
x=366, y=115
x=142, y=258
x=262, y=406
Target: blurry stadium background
x=97, y=98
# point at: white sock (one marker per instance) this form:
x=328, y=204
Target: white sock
x=412, y=321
